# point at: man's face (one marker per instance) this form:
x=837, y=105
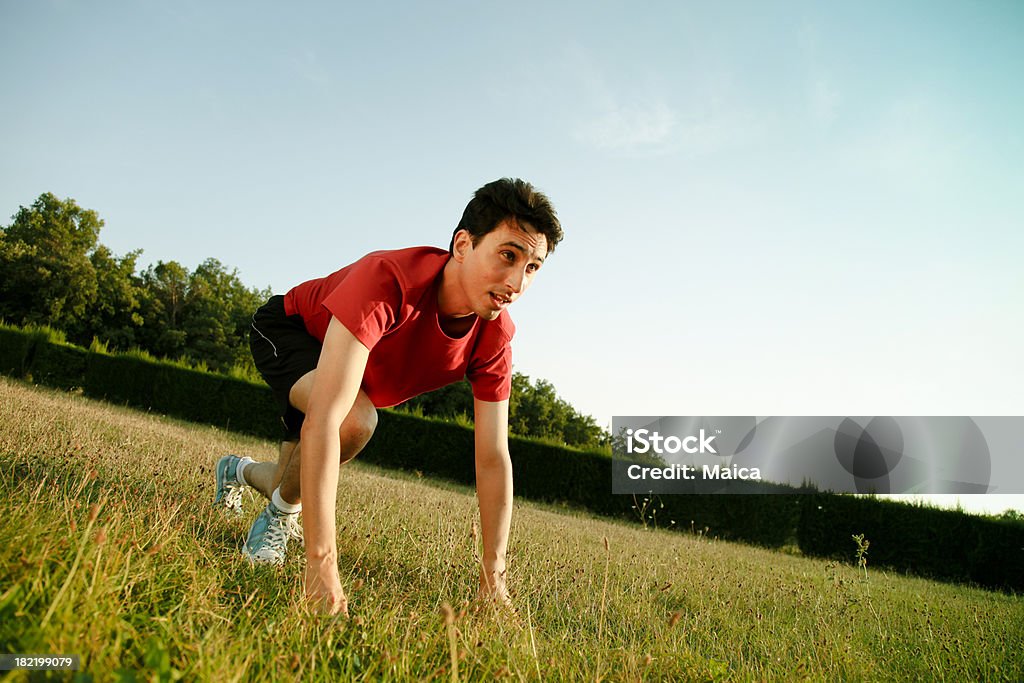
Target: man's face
x=500, y=267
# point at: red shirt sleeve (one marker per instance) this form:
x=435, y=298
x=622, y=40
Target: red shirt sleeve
x=368, y=300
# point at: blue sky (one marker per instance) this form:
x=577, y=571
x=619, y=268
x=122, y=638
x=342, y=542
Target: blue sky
x=770, y=208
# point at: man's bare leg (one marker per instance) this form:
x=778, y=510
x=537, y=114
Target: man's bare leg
x=267, y=540
x=266, y=476
x=355, y=433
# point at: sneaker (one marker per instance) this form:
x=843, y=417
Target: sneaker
x=267, y=542
x=229, y=490
x=294, y=528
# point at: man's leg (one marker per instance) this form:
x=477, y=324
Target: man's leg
x=266, y=476
x=355, y=433
x=267, y=540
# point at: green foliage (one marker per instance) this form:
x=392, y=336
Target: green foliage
x=61, y=366
x=46, y=275
x=202, y=315
x=137, y=379
x=14, y=345
x=446, y=402
x=114, y=317
x=537, y=410
x=54, y=271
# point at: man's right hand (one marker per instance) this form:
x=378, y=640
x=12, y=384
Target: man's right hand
x=323, y=586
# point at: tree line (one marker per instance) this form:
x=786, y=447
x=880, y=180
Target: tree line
x=54, y=271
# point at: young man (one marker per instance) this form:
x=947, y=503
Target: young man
x=390, y=326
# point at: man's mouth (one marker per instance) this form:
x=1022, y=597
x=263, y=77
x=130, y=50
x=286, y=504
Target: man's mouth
x=500, y=301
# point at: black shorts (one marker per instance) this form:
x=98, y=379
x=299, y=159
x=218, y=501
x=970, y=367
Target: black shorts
x=283, y=352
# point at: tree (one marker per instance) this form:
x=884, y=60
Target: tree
x=164, y=287
x=46, y=275
x=537, y=410
x=114, y=316
x=218, y=314
x=203, y=316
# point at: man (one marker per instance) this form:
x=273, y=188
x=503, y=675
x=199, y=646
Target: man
x=388, y=327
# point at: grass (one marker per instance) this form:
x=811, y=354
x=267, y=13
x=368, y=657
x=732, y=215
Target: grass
x=110, y=550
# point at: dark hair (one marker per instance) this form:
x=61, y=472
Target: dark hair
x=509, y=198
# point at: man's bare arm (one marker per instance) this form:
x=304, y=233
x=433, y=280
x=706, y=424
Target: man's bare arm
x=494, y=492
x=339, y=374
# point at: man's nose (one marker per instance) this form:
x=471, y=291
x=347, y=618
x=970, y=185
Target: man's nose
x=516, y=280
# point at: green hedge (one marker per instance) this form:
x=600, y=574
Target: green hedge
x=937, y=543
x=14, y=345
x=56, y=364
x=941, y=544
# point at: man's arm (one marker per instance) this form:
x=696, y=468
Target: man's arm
x=494, y=492
x=339, y=374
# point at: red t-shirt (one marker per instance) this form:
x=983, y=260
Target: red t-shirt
x=388, y=301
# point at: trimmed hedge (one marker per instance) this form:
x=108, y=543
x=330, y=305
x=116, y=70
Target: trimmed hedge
x=940, y=544
x=937, y=543
x=14, y=345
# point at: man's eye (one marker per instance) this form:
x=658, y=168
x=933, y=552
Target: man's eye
x=532, y=268
x=508, y=256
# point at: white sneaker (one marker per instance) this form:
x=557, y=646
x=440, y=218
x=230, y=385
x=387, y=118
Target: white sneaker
x=267, y=542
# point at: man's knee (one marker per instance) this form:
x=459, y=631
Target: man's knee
x=357, y=429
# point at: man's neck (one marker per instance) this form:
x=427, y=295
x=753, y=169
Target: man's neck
x=453, y=313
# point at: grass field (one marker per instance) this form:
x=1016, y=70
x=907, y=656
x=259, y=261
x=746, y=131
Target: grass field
x=110, y=550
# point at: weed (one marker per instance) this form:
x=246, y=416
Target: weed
x=647, y=510
x=862, y=552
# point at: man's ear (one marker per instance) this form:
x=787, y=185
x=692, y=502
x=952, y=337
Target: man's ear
x=463, y=245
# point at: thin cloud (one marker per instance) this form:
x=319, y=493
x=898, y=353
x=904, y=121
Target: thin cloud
x=631, y=128
x=626, y=122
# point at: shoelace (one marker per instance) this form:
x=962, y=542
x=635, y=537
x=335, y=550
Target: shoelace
x=294, y=528
x=275, y=541
x=233, y=499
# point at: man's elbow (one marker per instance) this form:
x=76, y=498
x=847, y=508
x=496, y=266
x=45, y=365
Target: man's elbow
x=318, y=423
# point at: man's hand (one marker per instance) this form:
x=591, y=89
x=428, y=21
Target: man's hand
x=499, y=596
x=323, y=586
x=494, y=592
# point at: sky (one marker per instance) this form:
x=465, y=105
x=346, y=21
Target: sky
x=770, y=208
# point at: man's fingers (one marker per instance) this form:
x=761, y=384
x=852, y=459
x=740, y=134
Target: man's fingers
x=334, y=609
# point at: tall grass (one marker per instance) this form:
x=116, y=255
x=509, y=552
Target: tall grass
x=109, y=549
